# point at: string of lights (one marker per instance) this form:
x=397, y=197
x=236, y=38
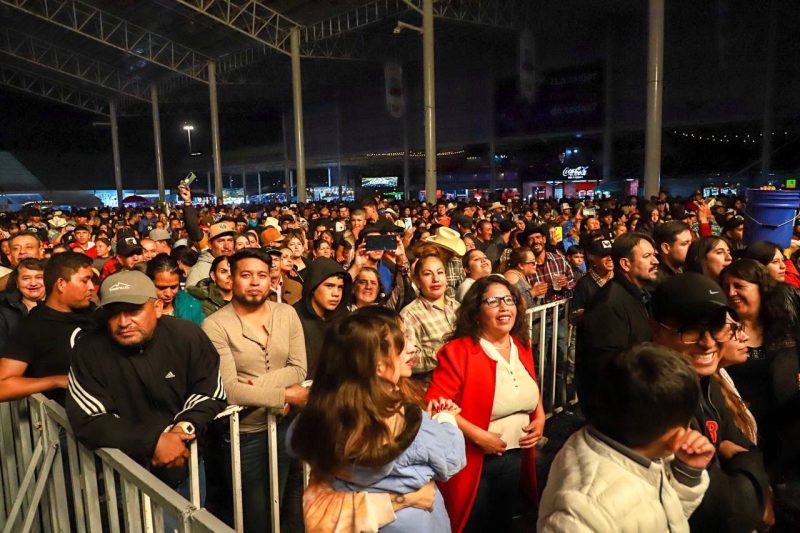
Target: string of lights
x=412, y=153
x=742, y=138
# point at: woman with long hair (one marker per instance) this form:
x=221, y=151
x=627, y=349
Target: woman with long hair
x=165, y=273
x=432, y=315
x=771, y=256
x=768, y=380
x=708, y=256
x=363, y=430
x=487, y=369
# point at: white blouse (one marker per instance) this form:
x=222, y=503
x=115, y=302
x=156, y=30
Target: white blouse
x=516, y=395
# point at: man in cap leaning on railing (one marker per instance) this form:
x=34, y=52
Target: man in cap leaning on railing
x=146, y=384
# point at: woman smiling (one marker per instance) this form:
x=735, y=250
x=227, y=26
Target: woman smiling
x=487, y=369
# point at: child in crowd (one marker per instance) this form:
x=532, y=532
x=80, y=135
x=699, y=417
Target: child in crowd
x=636, y=466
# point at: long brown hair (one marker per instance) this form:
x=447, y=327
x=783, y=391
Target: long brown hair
x=467, y=316
x=345, y=420
x=741, y=416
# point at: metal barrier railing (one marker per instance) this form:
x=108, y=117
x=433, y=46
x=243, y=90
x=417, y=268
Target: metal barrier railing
x=554, y=355
x=232, y=413
x=51, y=482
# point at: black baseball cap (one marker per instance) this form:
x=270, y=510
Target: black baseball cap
x=690, y=299
x=599, y=247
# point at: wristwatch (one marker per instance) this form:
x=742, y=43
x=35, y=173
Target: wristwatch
x=187, y=427
x=399, y=498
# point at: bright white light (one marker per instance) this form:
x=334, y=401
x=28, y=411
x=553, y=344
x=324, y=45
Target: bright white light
x=188, y=127
x=575, y=150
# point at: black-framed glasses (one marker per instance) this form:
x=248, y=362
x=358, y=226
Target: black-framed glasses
x=494, y=301
x=722, y=333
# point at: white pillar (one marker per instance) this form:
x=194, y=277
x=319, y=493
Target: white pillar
x=429, y=84
x=655, y=74
x=112, y=111
x=215, y=143
x=157, y=141
x=297, y=103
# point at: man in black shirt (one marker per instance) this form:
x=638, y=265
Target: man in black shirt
x=146, y=383
x=601, y=270
x=37, y=354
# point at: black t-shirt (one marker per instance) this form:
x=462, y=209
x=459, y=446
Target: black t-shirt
x=44, y=340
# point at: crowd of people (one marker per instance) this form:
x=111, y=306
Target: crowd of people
x=392, y=340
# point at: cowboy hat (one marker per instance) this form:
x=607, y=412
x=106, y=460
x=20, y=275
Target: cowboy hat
x=449, y=239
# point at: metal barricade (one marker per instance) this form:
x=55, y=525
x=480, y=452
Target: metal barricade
x=554, y=367
x=232, y=414
x=51, y=482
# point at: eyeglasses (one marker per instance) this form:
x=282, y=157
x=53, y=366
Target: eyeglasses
x=494, y=301
x=724, y=333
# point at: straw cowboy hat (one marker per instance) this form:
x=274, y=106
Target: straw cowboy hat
x=496, y=205
x=448, y=239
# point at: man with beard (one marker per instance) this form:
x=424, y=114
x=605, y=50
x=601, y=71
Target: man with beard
x=551, y=268
x=147, y=383
x=617, y=317
x=263, y=362
x=37, y=355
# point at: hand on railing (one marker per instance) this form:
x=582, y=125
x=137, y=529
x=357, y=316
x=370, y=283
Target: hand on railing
x=171, y=450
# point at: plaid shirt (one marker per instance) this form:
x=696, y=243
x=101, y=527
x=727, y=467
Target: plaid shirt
x=454, y=269
x=554, y=266
x=427, y=325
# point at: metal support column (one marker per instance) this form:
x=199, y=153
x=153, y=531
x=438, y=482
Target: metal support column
x=655, y=73
x=608, y=132
x=297, y=103
x=215, y=144
x=768, y=122
x=157, y=141
x=492, y=166
x=112, y=111
x=287, y=183
x=429, y=84
x=258, y=176
x=492, y=134
x=244, y=185
x=406, y=165
x=339, y=142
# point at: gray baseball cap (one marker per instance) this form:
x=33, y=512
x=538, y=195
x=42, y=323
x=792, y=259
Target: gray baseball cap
x=127, y=286
x=158, y=234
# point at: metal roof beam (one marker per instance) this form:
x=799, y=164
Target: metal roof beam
x=495, y=13
x=369, y=13
x=54, y=57
x=113, y=31
x=50, y=90
x=250, y=17
x=504, y=14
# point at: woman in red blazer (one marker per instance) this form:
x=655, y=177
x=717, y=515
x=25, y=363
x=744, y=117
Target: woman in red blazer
x=487, y=369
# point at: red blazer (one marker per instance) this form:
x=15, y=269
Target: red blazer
x=467, y=376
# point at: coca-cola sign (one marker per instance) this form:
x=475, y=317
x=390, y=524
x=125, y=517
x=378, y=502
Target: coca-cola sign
x=575, y=173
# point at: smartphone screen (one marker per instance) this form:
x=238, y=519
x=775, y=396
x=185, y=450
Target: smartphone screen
x=380, y=242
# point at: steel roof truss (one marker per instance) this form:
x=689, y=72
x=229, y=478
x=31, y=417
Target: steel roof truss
x=54, y=91
x=113, y=31
x=50, y=56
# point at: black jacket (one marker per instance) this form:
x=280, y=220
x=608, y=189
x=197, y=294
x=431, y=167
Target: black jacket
x=615, y=319
x=11, y=311
x=734, y=501
x=125, y=397
x=315, y=326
